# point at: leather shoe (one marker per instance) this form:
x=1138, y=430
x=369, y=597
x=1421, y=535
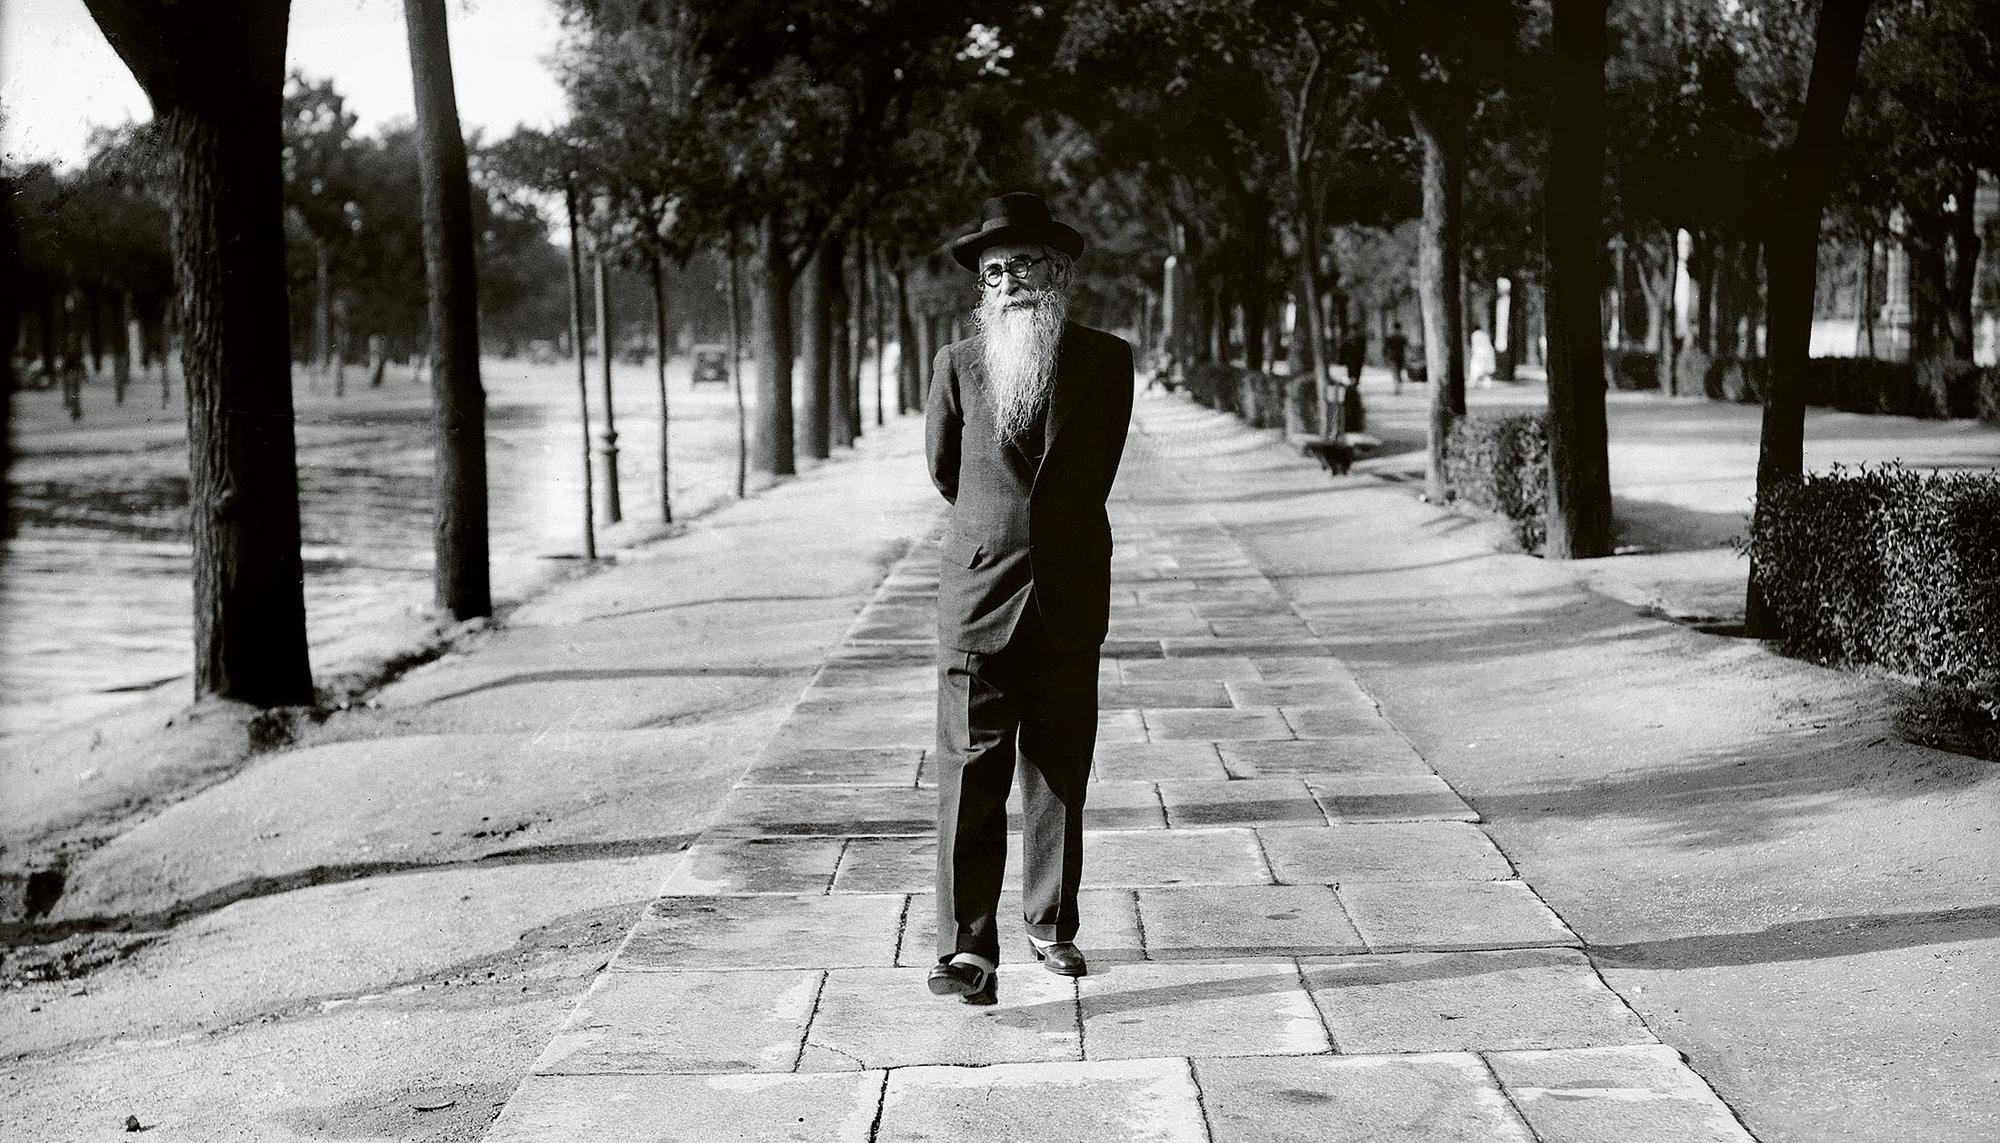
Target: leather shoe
x=969, y=982
x=1062, y=958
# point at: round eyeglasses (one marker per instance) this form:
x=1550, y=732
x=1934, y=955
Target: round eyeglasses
x=1016, y=268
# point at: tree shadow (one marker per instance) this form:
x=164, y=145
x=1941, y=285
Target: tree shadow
x=1817, y=939
x=1750, y=793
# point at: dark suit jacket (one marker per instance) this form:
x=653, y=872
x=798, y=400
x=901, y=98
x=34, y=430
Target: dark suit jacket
x=1017, y=523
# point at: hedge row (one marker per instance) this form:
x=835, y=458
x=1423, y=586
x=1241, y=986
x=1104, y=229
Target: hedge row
x=1934, y=387
x=1501, y=465
x=1265, y=400
x=1888, y=567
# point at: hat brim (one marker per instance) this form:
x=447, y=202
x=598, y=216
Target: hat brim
x=965, y=251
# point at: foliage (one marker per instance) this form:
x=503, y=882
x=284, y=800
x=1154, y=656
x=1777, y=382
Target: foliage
x=1889, y=567
x=1500, y=464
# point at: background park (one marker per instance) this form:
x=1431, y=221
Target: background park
x=1701, y=315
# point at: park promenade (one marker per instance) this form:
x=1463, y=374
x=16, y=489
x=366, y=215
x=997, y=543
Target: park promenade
x=1297, y=929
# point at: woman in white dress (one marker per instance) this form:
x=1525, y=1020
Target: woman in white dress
x=1479, y=370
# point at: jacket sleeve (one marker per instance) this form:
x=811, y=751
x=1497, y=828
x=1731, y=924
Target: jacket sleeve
x=1117, y=409
x=944, y=420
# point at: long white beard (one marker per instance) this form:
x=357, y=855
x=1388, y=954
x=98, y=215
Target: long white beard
x=1021, y=344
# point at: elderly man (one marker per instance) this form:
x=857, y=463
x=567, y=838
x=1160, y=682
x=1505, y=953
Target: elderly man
x=1026, y=422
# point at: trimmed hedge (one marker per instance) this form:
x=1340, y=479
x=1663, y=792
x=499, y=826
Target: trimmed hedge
x=1631, y=369
x=1501, y=465
x=1889, y=567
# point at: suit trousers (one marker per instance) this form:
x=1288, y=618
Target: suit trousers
x=1028, y=709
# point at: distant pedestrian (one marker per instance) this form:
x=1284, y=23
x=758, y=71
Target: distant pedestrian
x=1480, y=368
x=1025, y=425
x=1395, y=354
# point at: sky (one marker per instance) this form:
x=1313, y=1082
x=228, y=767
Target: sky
x=58, y=76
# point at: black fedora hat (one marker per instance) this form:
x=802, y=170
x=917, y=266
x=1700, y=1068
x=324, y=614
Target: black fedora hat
x=1017, y=219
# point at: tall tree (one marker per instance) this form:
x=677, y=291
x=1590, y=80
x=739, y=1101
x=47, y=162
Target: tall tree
x=1440, y=56
x=216, y=84
x=1579, y=513
x=461, y=579
x=1792, y=257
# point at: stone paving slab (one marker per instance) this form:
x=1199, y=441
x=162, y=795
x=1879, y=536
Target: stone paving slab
x=1376, y=797
x=1609, y=1095
x=1245, y=921
x=1157, y=858
x=887, y=1018
x=827, y=810
x=1326, y=722
x=686, y=1109
x=1139, y=1100
x=1396, y=916
x=1217, y=668
x=1156, y=761
x=1120, y=726
x=837, y=766
x=1134, y=696
x=1109, y=934
x=1382, y=851
x=1331, y=694
x=1289, y=648
x=1208, y=1009
x=1445, y=1098
x=659, y=1022
x=1291, y=669
x=1233, y=722
x=839, y=931
x=1254, y=802
x=1379, y=752
x=742, y=866
x=1258, y=627
x=1469, y=1001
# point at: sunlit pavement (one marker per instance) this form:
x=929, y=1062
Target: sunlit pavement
x=1296, y=928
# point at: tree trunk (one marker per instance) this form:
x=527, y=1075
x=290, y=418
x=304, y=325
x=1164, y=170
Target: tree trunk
x=774, y=354
x=45, y=329
x=221, y=127
x=93, y=327
x=322, y=302
x=872, y=268
x=1868, y=297
x=908, y=393
x=1440, y=258
x=340, y=346
x=1794, y=251
x=1330, y=420
x=121, y=345
x=660, y=367
x=461, y=580
x=816, y=297
x=839, y=349
x=378, y=360
x=614, y=508
x=582, y=369
x=1579, y=514
x=1965, y=263
x=736, y=366
x=857, y=320
x=1254, y=298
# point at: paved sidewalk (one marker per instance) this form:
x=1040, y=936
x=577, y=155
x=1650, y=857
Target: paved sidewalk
x=1296, y=929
